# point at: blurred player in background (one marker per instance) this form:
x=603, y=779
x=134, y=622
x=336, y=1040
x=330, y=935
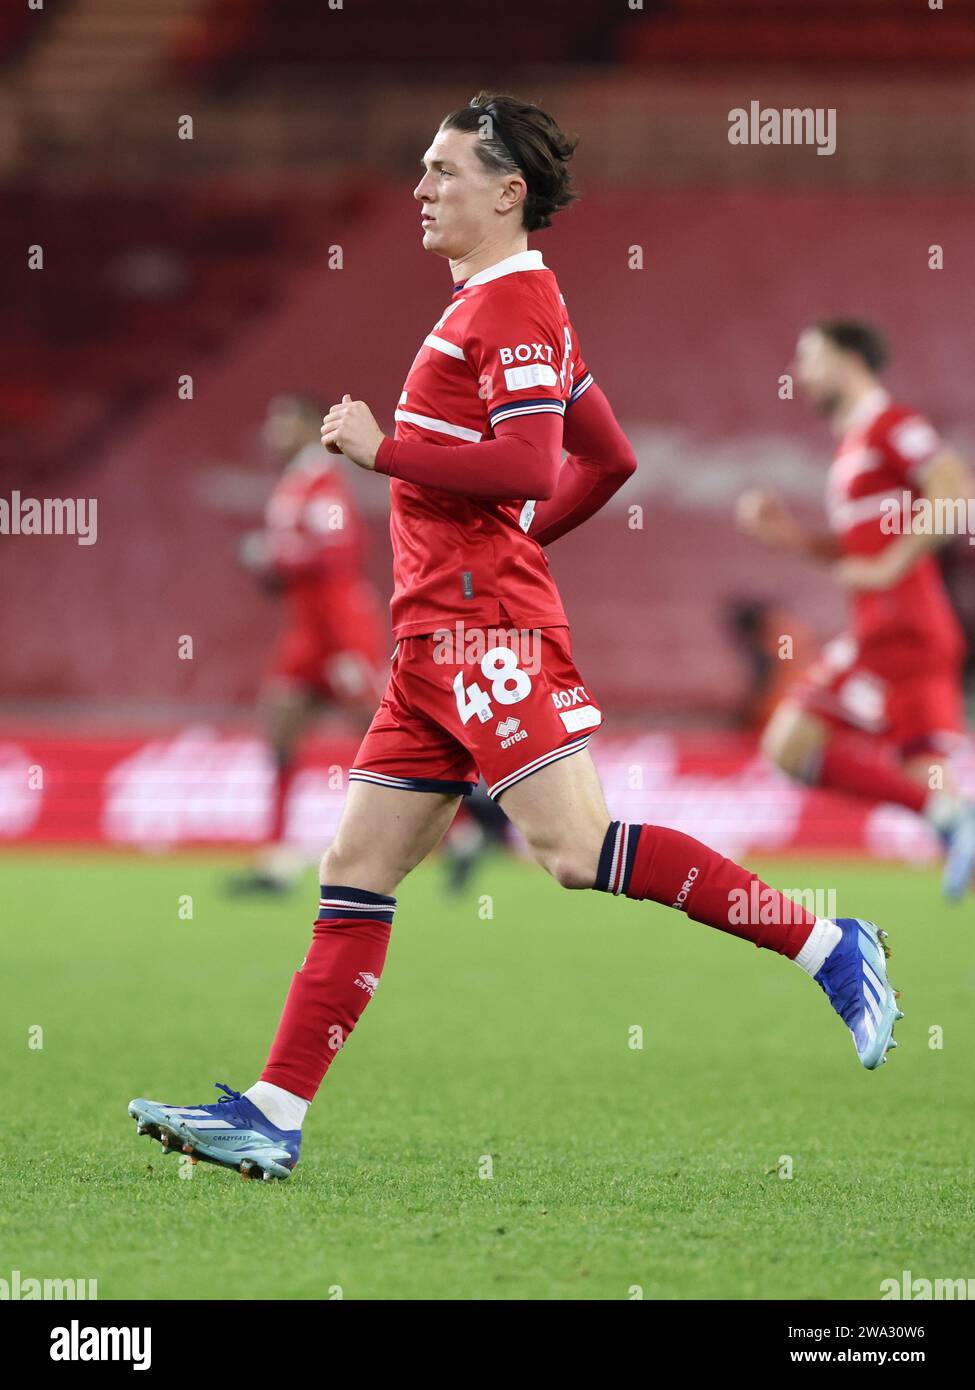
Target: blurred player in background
x=755, y=626
x=479, y=488
x=310, y=551
x=479, y=828
x=879, y=712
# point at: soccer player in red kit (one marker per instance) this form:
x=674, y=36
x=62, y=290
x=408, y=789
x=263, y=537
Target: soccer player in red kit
x=483, y=678
x=877, y=714
x=310, y=551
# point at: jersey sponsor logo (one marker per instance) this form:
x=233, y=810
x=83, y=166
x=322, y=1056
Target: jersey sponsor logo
x=526, y=352
x=575, y=719
x=564, y=698
x=522, y=378
x=686, y=886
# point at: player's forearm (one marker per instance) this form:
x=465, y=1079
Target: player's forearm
x=600, y=461
x=584, y=487
x=816, y=546
x=522, y=461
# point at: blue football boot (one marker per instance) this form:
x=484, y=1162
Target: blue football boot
x=854, y=978
x=233, y=1133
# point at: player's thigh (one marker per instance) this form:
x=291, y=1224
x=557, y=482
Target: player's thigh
x=794, y=737
x=561, y=813
x=384, y=832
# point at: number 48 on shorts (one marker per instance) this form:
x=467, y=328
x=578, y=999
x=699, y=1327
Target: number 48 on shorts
x=443, y=723
x=509, y=684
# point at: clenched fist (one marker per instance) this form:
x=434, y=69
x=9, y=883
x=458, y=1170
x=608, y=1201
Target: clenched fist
x=350, y=428
x=765, y=517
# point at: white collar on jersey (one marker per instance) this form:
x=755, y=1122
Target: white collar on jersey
x=521, y=260
x=866, y=410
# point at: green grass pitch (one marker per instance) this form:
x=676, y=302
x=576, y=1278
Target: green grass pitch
x=489, y=1132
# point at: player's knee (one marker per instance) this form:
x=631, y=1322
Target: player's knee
x=572, y=871
x=569, y=867
x=328, y=866
x=361, y=870
x=337, y=867
x=773, y=747
x=791, y=744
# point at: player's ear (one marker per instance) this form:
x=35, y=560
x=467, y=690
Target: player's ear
x=513, y=193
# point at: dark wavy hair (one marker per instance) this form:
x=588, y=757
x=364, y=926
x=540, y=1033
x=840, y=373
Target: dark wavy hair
x=853, y=335
x=517, y=137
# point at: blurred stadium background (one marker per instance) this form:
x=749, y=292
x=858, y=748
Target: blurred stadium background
x=210, y=257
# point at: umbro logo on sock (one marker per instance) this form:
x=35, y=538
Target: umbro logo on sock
x=367, y=980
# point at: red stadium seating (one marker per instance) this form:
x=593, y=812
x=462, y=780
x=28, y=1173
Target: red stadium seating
x=828, y=31
x=689, y=350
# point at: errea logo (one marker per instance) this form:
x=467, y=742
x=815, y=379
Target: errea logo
x=509, y=731
x=368, y=981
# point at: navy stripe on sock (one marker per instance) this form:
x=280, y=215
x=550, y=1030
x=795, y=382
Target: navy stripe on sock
x=338, y=902
x=633, y=839
x=616, y=857
x=606, y=854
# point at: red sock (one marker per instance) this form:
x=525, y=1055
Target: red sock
x=650, y=861
x=851, y=764
x=335, y=983
x=283, y=777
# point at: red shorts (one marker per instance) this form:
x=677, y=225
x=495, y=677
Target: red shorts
x=497, y=702
x=346, y=674
x=335, y=644
x=906, y=697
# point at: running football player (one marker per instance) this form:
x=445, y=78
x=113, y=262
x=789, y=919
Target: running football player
x=310, y=551
x=879, y=712
x=483, y=678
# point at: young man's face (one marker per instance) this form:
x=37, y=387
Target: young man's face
x=285, y=429
x=460, y=199
x=823, y=370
